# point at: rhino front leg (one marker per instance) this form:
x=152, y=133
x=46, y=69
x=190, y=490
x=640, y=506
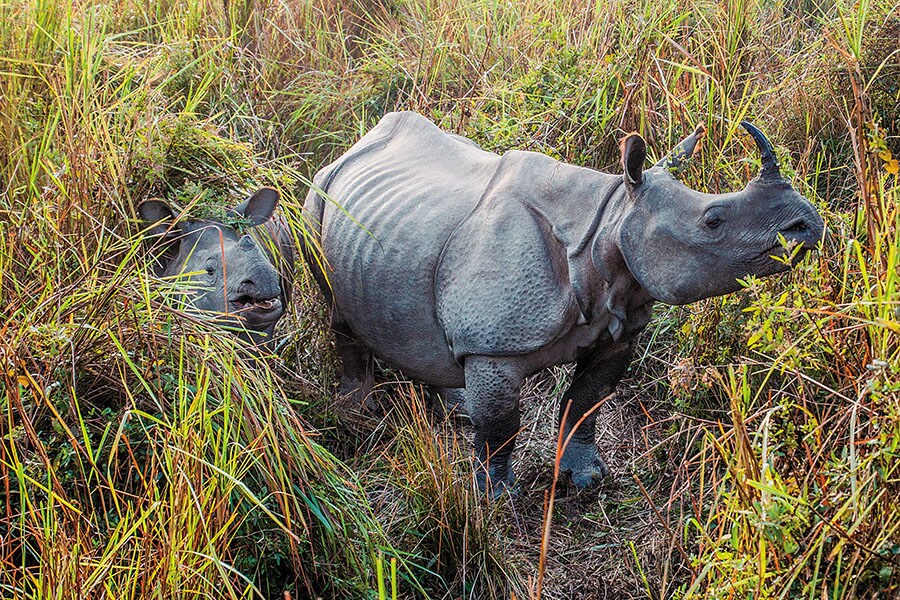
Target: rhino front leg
x=492, y=398
x=596, y=376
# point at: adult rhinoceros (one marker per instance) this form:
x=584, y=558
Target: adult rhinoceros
x=465, y=269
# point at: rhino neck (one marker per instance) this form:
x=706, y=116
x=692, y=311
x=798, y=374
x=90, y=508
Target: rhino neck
x=584, y=210
x=618, y=296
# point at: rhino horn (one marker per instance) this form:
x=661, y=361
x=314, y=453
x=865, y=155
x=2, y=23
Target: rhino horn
x=683, y=151
x=770, y=170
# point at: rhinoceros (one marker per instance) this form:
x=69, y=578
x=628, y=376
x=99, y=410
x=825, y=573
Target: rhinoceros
x=227, y=274
x=470, y=271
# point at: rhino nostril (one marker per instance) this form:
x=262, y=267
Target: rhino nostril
x=796, y=227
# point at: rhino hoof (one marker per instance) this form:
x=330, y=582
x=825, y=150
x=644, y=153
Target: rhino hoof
x=584, y=463
x=495, y=485
x=354, y=388
x=451, y=403
x=360, y=394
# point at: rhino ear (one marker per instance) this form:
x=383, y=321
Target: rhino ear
x=259, y=207
x=634, y=153
x=155, y=212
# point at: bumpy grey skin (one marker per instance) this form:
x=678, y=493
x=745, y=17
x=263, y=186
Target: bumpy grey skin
x=228, y=275
x=465, y=269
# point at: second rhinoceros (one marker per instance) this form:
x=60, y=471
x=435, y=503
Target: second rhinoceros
x=465, y=269
x=237, y=273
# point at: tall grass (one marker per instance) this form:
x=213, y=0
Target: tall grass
x=144, y=454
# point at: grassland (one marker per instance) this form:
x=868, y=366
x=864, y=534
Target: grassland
x=754, y=445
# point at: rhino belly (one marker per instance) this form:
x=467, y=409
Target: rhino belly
x=382, y=265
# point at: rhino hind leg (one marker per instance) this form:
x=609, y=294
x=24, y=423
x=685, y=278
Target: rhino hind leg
x=492, y=398
x=596, y=376
x=357, y=364
x=450, y=403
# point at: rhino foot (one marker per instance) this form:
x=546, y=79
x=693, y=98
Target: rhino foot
x=451, y=402
x=496, y=484
x=359, y=393
x=582, y=460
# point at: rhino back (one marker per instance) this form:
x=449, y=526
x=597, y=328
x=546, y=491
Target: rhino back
x=402, y=190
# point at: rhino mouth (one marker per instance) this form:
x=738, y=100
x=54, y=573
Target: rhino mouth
x=256, y=311
x=774, y=258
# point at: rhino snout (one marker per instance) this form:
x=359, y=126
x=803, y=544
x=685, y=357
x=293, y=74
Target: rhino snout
x=805, y=230
x=264, y=285
x=256, y=311
x=257, y=298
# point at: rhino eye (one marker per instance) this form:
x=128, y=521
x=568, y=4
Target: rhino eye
x=713, y=222
x=211, y=264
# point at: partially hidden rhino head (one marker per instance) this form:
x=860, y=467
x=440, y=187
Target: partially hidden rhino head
x=682, y=245
x=225, y=272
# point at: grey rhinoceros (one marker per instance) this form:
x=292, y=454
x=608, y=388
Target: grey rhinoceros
x=229, y=274
x=465, y=269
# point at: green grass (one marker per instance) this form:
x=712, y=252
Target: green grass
x=144, y=454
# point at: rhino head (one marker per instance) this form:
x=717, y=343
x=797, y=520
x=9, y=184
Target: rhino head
x=226, y=273
x=682, y=245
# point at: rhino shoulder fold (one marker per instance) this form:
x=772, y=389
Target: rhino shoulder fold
x=502, y=285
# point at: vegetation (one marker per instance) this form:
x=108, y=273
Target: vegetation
x=143, y=454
